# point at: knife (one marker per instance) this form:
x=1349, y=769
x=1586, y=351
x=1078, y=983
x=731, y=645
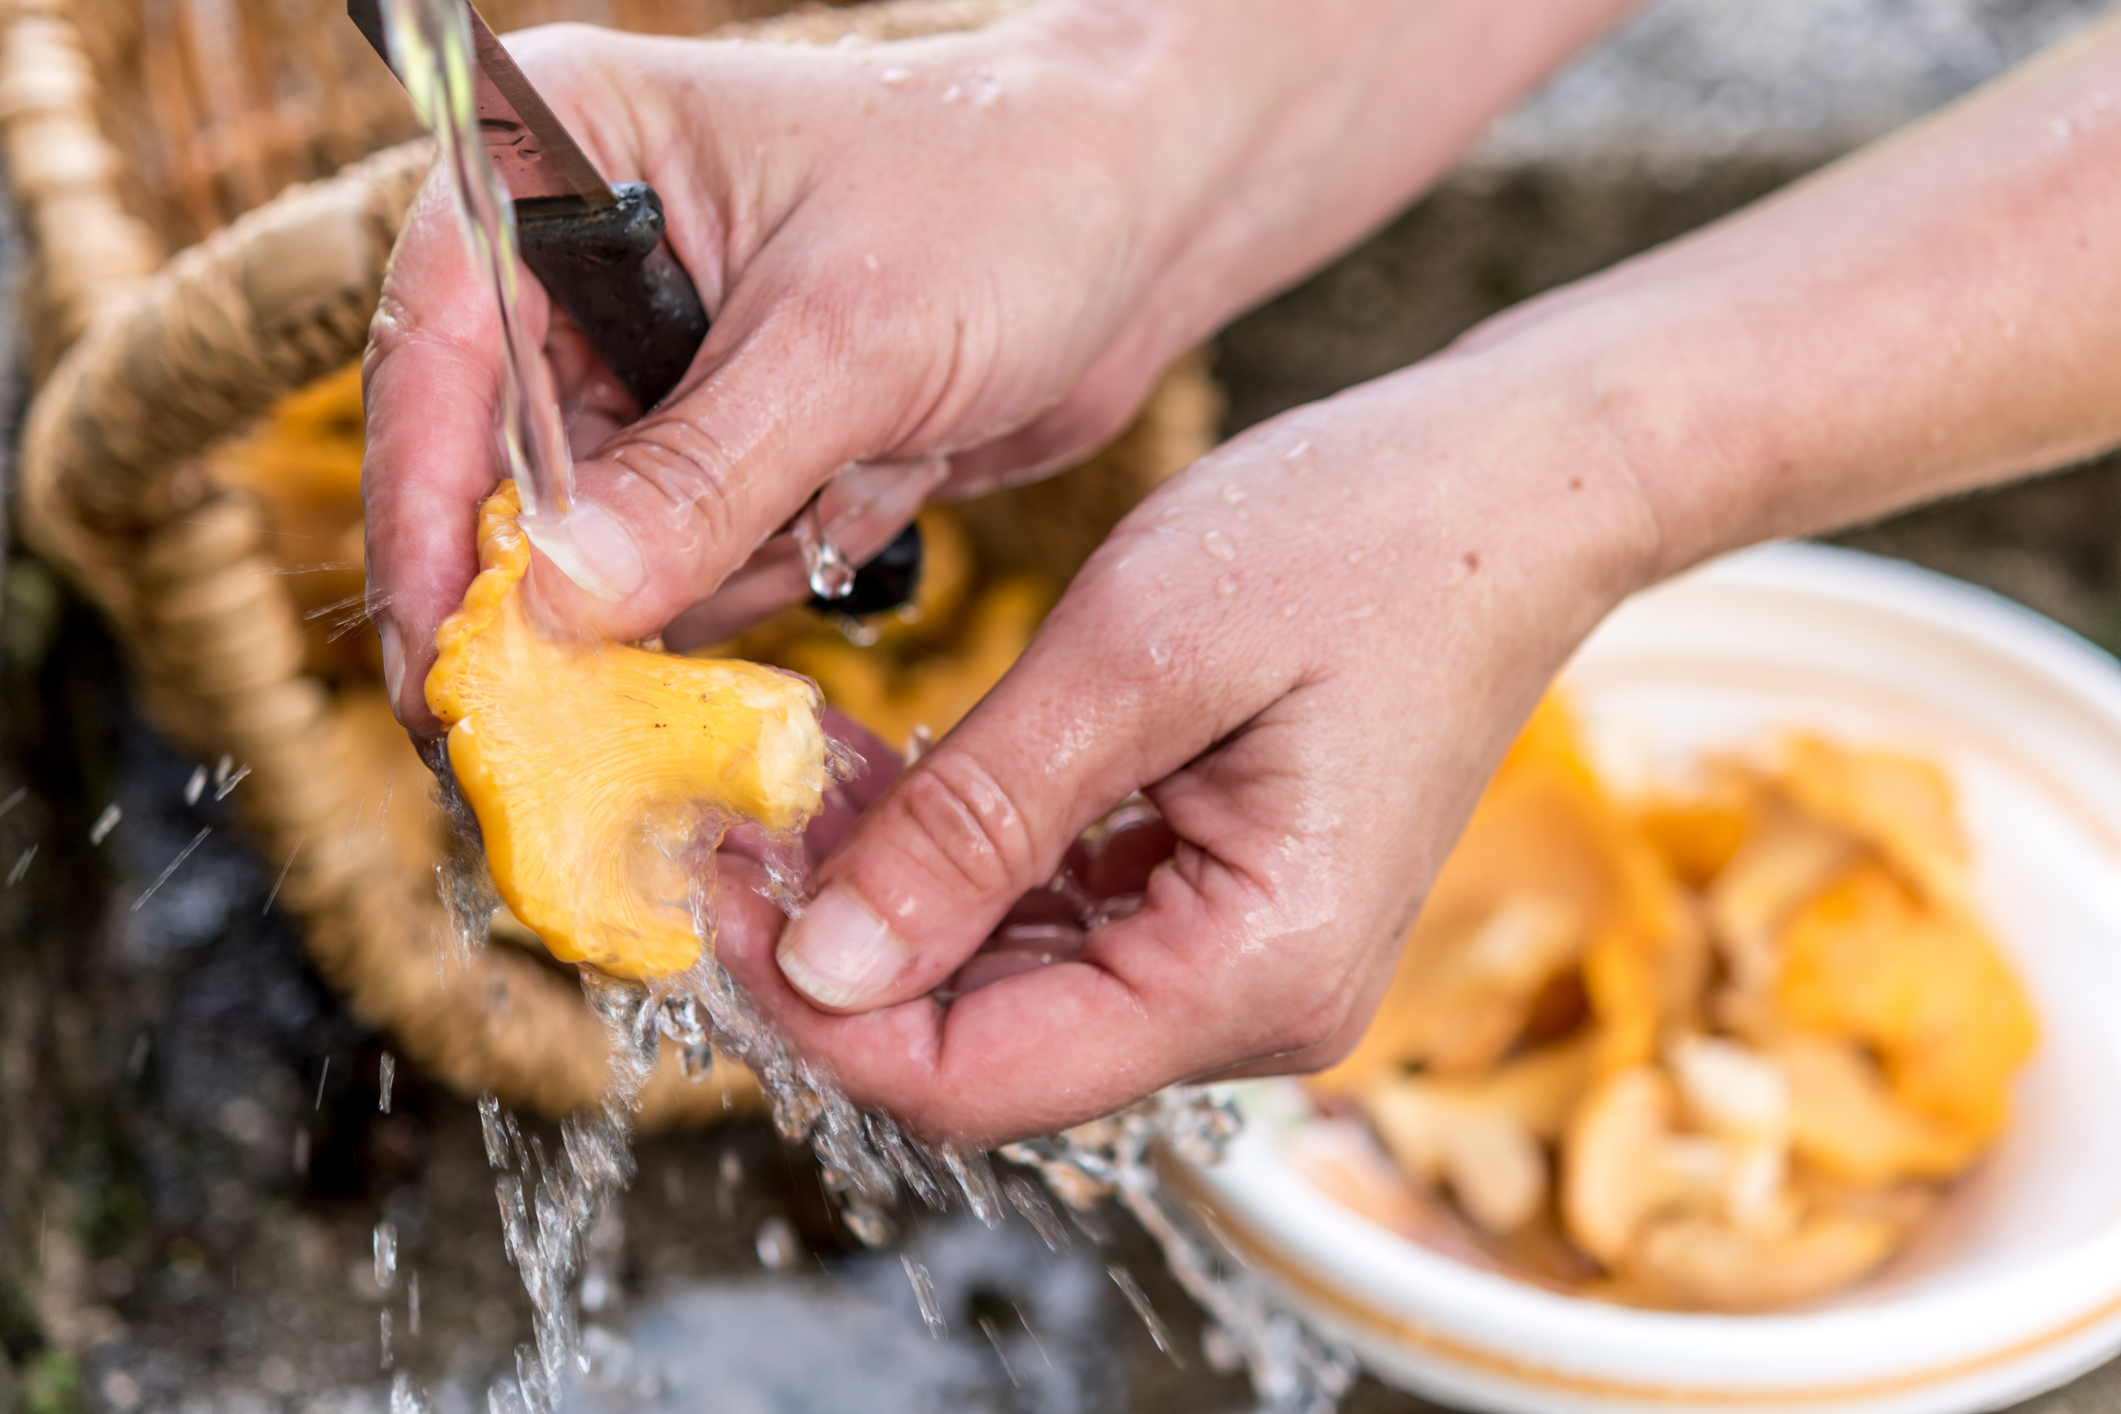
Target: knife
x=597, y=248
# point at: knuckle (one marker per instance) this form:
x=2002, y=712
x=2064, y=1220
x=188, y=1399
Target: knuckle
x=688, y=467
x=970, y=829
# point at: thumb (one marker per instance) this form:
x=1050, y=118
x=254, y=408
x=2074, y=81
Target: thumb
x=987, y=815
x=673, y=504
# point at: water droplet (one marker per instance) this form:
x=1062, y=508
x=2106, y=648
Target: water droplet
x=953, y=93
x=831, y=576
x=1218, y=544
x=895, y=77
x=1024, y=1196
x=385, y=1321
x=195, y=787
x=2061, y=128
x=1291, y=609
x=1226, y=587
x=1233, y=495
x=1139, y=1300
x=924, y=1294
x=386, y=1075
x=1296, y=453
x=105, y=823
x=1355, y=557
x=386, y=1253
x=1160, y=654
x=871, y=263
x=778, y=1247
x=994, y=1338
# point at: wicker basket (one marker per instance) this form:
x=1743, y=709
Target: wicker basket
x=136, y=127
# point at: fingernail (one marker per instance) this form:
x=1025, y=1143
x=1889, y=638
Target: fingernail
x=393, y=661
x=839, y=954
x=592, y=548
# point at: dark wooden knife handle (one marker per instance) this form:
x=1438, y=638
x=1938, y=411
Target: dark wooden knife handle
x=608, y=268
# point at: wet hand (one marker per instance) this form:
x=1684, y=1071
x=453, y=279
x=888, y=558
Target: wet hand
x=950, y=262
x=1308, y=651
x=927, y=263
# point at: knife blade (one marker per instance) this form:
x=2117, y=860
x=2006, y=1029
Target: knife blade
x=529, y=146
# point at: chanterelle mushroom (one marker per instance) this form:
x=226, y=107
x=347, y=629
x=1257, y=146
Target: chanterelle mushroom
x=594, y=770
x=1698, y=1262
x=1483, y=1137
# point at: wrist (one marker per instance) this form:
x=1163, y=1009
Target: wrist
x=1259, y=138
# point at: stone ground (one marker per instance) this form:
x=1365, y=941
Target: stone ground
x=192, y=1155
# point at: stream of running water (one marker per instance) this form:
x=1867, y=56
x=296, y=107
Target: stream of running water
x=553, y=1204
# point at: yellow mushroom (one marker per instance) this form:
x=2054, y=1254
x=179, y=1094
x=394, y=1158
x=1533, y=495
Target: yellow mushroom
x=1787, y=858
x=1698, y=1262
x=1625, y=1163
x=1483, y=1137
x=599, y=773
x=1846, y=1122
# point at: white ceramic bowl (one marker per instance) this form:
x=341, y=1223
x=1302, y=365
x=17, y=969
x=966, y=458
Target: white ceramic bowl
x=2016, y=1285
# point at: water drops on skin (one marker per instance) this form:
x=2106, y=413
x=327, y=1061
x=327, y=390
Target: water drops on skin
x=829, y=571
x=195, y=787
x=1233, y=495
x=1218, y=544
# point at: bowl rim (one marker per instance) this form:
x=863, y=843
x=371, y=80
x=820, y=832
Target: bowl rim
x=1500, y=1326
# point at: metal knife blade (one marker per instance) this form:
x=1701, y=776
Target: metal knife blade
x=529, y=147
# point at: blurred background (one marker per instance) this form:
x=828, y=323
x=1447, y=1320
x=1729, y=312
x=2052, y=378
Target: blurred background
x=194, y=1149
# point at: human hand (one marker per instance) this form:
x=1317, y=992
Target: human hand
x=1308, y=651
x=953, y=262
x=1311, y=648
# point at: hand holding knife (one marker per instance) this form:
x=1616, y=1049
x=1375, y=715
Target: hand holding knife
x=597, y=248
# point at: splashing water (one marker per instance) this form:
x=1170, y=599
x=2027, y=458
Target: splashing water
x=924, y=1293
x=558, y=1209
x=1293, y=1370
x=430, y=47
x=553, y=1205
